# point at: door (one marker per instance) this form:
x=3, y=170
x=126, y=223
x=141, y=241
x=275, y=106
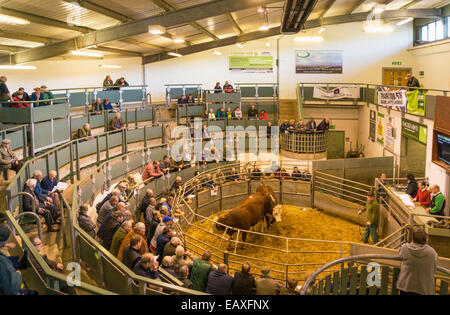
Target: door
x=336, y=145
x=395, y=76
x=413, y=158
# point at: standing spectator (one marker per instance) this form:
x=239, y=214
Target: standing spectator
x=111, y=228
x=148, y=268
x=85, y=222
x=19, y=98
x=21, y=90
x=161, y=242
x=228, y=88
x=412, y=82
x=121, y=83
x=181, y=259
x=132, y=252
x=36, y=96
x=151, y=171
x=219, y=281
x=252, y=113
x=419, y=264
x=266, y=285
x=184, y=277
x=263, y=115
x=269, y=129
x=437, y=206
x=98, y=105
x=311, y=125
x=107, y=209
x=182, y=100
x=10, y=279
x=373, y=213
x=171, y=247
x=324, y=125
x=217, y=88
x=238, y=113
x=291, y=289
x=117, y=122
x=200, y=272
x=114, y=192
x=47, y=95
x=155, y=221
x=167, y=265
x=384, y=182
x=176, y=186
x=139, y=229
x=5, y=95
x=423, y=197
x=166, y=223
x=166, y=165
x=205, y=115
x=190, y=99
x=411, y=186
x=118, y=237
x=121, y=211
x=145, y=202
x=300, y=126
x=107, y=83
x=244, y=282
x=8, y=159
x=107, y=104
x=284, y=127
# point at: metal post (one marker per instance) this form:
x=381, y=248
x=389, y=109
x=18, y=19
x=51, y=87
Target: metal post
x=120, y=98
x=78, y=160
x=87, y=100
x=256, y=93
x=97, y=143
x=144, y=93
x=71, y=162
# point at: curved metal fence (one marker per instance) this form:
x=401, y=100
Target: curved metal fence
x=304, y=142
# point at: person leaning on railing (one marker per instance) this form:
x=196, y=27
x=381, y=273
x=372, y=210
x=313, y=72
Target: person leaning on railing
x=8, y=159
x=107, y=83
x=19, y=98
x=438, y=201
x=36, y=96
x=324, y=125
x=84, y=132
x=47, y=95
x=21, y=90
x=120, y=83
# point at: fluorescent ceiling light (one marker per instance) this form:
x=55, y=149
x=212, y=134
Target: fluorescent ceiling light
x=304, y=39
x=13, y=20
x=156, y=29
x=178, y=40
x=405, y=21
x=17, y=67
x=174, y=54
x=267, y=44
x=261, y=9
x=264, y=27
x=378, y=29
x=216, y=52
x=110, y=66
x=239, y=45
x=321, y=30
x=86, y=53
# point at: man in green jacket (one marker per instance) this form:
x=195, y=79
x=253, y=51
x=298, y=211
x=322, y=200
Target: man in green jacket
x=437, y=206
x=373, y=213
x=200, y=272
x=47, y=94
x=119, y=236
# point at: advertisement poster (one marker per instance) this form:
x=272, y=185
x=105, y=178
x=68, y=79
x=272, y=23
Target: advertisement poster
x=389, y=140
x=251, y=62
x=395, y=99
x=416, y=103
x=318, y=61
x=414, y=130
x=373, y=125
x=380, y=128
x=336, y=93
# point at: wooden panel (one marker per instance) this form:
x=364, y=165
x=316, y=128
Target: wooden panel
x=444, y=288
x=442, y=114
x=363, y=281
x=336, y=282
x=327, y=284
x=344, y=281
x=353, y=280
x=320, y=287
x=395, y=274
x=384, y=280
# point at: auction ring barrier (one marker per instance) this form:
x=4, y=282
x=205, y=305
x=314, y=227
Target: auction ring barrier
x=304, y=142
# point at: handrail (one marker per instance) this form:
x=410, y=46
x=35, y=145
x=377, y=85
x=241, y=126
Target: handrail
x=371, y=84
x=98, y=87
x=50, y=274
x=39, y=101
x=311, y=279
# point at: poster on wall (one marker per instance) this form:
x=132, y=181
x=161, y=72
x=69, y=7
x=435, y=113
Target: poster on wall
x=373, y=125
x=389, y=140
x=251, y=62
x=380, y=128
x=415, y=131
x=416, y=102
x=394, y=99
x=336, y=93
x=318, y=61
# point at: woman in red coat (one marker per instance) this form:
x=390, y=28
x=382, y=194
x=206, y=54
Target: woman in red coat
x=263, y=115
x=423, y=197
x=19, y=98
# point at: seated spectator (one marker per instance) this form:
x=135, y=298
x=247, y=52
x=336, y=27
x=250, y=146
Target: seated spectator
x=284, y=127
x=184, y=277
x=296, y=174
x=148, y=268
x=121, y=83
x=306, y=176
x=19, y=97
x=291, y=126
x=211, y=115
x=419, y=265
x=244, y=282
x=282, y=174
x=85, y=222
x=166, y=165
x=411, y=186
x=42, y=207
x=152, y=171
x=266, y=285
x=256, y=173
x=252, y=113
x=438, y=201
x=182, y=100
x=167, y=265
x=116, y=123
x=119, y=236
x=233, y=176
x=37, y=95
x=205, y=115
x=139, y=229
x=217, y=88
x=213, y=156
x=229, y=113
x=166, y=223
x=423, y=197
x=84, y=132
x=107, y=104
x=47, y=95
x=291, y=288
x=40, y=192
x=182, y=258
x=161, y=242
x=109, y=228
x=97, y=106
x=132, y=252
x=190, y=99
x=8, y=159
x=221, y=114
x=324, y=125
x=48, y=184
x=311, y=125
x=263, y=115
x=209, y=183
x=238, y=113
x=25, y=95
x=228, y=88
x=219, y=177
x=107, y=83
x=219, y=281
x=108, y=208
x=201, y=269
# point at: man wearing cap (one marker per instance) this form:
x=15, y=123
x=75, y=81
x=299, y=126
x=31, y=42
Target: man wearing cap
x=8, y=160
x=412, y=82
x=10, y=279
x=373, y=213
x=166, y=222
x=47, y=95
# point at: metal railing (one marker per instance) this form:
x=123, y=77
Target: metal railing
x=304, y=142
x=18, y=137
x=182, y=89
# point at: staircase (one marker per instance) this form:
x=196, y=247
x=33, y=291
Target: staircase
x=288, y=110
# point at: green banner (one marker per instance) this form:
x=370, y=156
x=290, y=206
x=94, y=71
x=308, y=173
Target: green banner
x=416, y=102
x=254, y=63
x=414, y=130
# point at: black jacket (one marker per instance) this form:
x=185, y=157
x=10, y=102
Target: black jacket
x=219, y=283
x=244, y=284
x=131, y=257
x=311, y=125
x=252, y=113
x=323, y=125
x=85, y=222
x=411, y=188
x=109, y=231
x=29, y=201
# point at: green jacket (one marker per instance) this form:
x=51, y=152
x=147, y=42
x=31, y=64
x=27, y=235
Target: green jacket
x=83, y=133
x=117, y=241
x=373, y=211
x=199, y=274
x=48, y=95
x=437, y=202
x=10, y=280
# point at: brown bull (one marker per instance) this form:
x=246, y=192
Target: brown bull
x=255, y=208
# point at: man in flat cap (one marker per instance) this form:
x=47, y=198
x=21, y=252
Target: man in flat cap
x=8, y=160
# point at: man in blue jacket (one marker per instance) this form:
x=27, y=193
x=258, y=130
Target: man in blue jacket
x=219, y=281
x=10, y=279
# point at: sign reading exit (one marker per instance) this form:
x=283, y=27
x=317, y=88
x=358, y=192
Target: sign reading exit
x=396, y=63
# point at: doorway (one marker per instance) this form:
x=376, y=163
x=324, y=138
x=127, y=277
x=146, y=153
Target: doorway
x=336, y=145
x=412, y=158
x=395, y=76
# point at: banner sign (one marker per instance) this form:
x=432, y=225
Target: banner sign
x=373, y=125
x=380, y=128
x=414, y=130
x=416, y=103
x=318, y=61
x=389, y=134
x=336, y=93
x=408, y=102
x=251, y=62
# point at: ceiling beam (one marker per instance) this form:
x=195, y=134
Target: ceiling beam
x=358, y=17
x=118, y=51
x=102, y=10
x=12, y=49
x=235, y=24
x=355, y=6
x=328, y=5
x=143, y=44
x=406, y=6
x=27, y=37
x=169, y=8
x=178, y=17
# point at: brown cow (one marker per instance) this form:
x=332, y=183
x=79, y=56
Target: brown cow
x=255, y=208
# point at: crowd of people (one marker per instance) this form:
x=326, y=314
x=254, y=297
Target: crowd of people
x=236, y=114
x=302, y=126
x=109, y=84
x=40, y=96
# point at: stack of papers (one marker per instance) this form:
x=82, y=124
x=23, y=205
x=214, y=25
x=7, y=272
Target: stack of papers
x=61, y=186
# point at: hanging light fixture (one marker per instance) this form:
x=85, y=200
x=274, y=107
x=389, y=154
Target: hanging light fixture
x=12, y=20
x=218, y=53
x=174, y=54
x=239, y=45
x=405, y=21
x=17, y=67
x=156, y=29
x=178, y=40
x=86, y=53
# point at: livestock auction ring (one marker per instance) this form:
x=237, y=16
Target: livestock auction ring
x=300, y=241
